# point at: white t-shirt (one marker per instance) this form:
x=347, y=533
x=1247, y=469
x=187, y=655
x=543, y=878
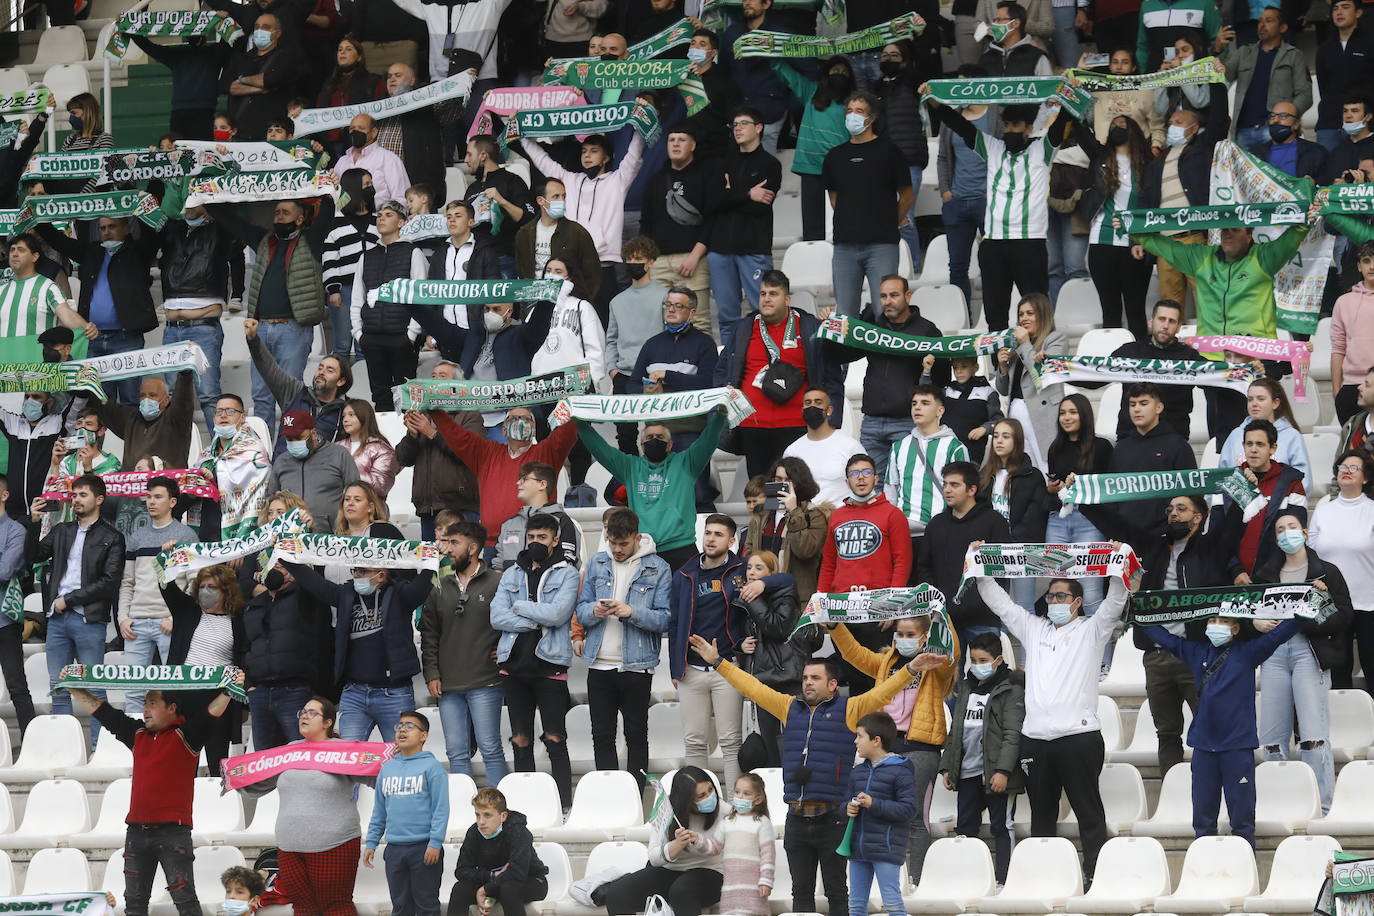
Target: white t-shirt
x=543, y=245
x=1001, y=499
x=826, y=460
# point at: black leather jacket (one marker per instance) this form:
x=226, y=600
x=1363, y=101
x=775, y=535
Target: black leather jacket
x=102, y=566
x=780, y=654
x=195, y=260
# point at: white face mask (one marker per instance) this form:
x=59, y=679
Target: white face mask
x=493, y=322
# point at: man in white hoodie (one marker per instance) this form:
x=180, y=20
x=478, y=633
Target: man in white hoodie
x=916, y=464
x=624, y=606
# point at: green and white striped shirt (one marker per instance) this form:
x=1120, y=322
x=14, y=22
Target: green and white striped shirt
x=914, y=468
x=28, y=306
x=1018, y=188
x=1127, y=197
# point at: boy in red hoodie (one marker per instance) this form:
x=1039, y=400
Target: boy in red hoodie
x=166, y=750
x=868, y=544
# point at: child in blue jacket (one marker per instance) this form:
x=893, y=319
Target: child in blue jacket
x=1223, y=734
x=411, y=808
x=883, y=799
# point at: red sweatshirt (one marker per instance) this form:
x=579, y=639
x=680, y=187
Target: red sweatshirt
x=165, y=765
x=868, y=545
x=497, y=472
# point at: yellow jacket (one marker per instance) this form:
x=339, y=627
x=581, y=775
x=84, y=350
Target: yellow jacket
x=778, y=703
x=928, y=709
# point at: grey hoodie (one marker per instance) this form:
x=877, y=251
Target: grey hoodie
x=320, y=479
x=512, y=537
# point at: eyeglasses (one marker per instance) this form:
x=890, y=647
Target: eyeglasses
x=890, y=55
x=226, y=411
x=743, y=123
x=406, y=727
x=1283, y=116
x=1059, y=597
x=1351, y=468
x=309, y=714
x=861, y=473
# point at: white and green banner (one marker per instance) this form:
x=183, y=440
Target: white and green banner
x=1056, y=369
x=26, y=101
x=425, y=226
x=196, y=555
x=861, y=335
x=1206, y=70
x=1224, y=216
x=882, y=605
x=160, y=165
x=995, y=90
x=454, y=395
x=17, y=378
x=207, y=24
x=148, y=361
x=76, y=904
x=349, y=551
x=241, y=186
x=1099, y=489
x=319, y=120
x=66, y=208
x=71, y=166
x=762, y=43
x=1060, y=561
x=588, y=119
x=12, y=605
x=469, y=292
x=679, y=33
x=261, y=155
x=1254, y=602
x=152, y=677
x=639, y=408
x=242, y=469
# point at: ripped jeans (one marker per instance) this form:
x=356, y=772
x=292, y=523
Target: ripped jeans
x=550, y=698
x=1293, y=686
x=146, y=846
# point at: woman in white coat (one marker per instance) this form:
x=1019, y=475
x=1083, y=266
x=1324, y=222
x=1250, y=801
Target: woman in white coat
x=1037, y=409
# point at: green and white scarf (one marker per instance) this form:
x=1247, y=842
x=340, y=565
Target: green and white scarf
x=211, y=26
x=1098, y=489
x=469, y=292
x=1254, y=602
x=1349, y=199
x=159, y=165
x=445, y=394
x=64, y=208
x=195, y=555
x=1352, y=874
x=239, y=187
x=71, y=166
x=1199, y=71
x=995, y=90
x=1056, y=369
x=48, y=904
x=17, y=378
x=640, y=74
x=148, y=361
x=679, y=33
x=861, y=335
x=588, y=119
x=760, y=43
x=262, y=155
x=882, y=605
x=349, y=551
x=152, y=677
x=1231, y=216
x=318, y=120
x=425, y=226
x=12, y=605
x=637, y=408
x=25, y=101
x=1060, y=561
x=242, y=470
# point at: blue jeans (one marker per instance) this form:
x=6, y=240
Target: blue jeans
x=361, y=707
x=878, y=434
x=735, y=277
x=481, y=707
x=1330, y=137
x=963, y=218
x=866, y=69
x=1078, y=530
x=72, y=640
x=124, y=391
x=289, y=343
x=854, y=262
x=273, y=714
x=1293, y=685
x=1068, y=255
x=1249, y=137
x=908, y=232
x=341, y=325
x=211, y=341
x=148, y=635
x=861, y=875
x=1065, y=36
x=414, y=886
x=771, y=134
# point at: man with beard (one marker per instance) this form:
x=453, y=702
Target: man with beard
x=323, y=400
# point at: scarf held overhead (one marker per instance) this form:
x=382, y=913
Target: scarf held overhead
x=590, y=119
x=148, y=361
x=445, y=394
x=1254, y=602
x=679, y=33
x=507, y=101
x=190, y=481
x=196, y=555
x=1098, y=489
x=760, y=43
x=65, y=208
x=161, y=165
x=318, y=120
x=73, y=165
x=343, y=758
x=635, y=408
x=1055, y=369
x=278, y=184
x=469, y=292
x=242, y=470
x=210, y=25
x=1296, y=353
x=152, y=677
x=638, y=75
x=1222, y=216
x=1199, y=71
x=17, y=378
x=861, y=335
x=349, y=551
x=1033, y=561
x=259, y=156
x=882, y=605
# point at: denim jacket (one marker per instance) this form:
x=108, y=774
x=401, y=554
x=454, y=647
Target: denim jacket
x=513, y=613
x=647, y=597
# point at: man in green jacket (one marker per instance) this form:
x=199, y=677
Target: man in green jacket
x=660, y=485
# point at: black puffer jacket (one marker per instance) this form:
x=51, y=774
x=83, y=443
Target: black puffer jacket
x=778, y=658
x=1331, y=638
x=195, y=260
x=1029, y=504
x=511, y=849
x=281, y=638
x=900, y=117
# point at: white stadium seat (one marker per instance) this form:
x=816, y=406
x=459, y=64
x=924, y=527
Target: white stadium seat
x=1127, y=677
x=1173, y=815
x=210, y=862
x=935, y=264
x=1352, y=803
x=1044, y=873
x=1123, y=797
x=1134, y=871
x=605, y=805
x=36, y=673
x=461, y=816
x=1218, y=874
x=807, y=265
x=1078, y=309
x=1352, y=724
x=666, y=750
x=1110, y=716
x=217, y=815
x=1295, y=875
x=113, y=882
x=109, y=830
x=7, y=885
x=6, y=810
x=66, y=81
x=57, y=871
x=113, y=759
x=623, y=856
x=1285, y=797
x=773, y=791
x=555, y=857
x=957, y=873
x=534, y=795
x=62, y=44
x=1102, y=342
x=942, y=305
x=262, y=830
x=56, y=810
x=1144, y=747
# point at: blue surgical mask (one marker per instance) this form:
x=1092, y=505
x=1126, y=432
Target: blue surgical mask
x=981, y=670
x=1059, y=614
x=112, y=245
x=906, y=646
x=234, y=907
x=297, y=448
x=225, y=432
x=1291, y=540
x=1175, y=135
x=676, y=328
x=707, y=804
x=855, y=123
x=194, y=222
x=557, y=208
x=697, y=55
x=149, y=408
x=494, y=834
x=33, y=410
x=364, y=585
x=1219, y=633
x=1353, y=128
x=742, y=805
x=261, y=38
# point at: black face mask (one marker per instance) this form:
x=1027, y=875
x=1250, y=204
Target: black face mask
x=814, y=417
x=1280, y=133
x=274, y=579
x=609, y=57
x=635, y=271
x=367, y=199
x=284, y=230
x=51, y=356
x=357, y=139
x=1117, y=136
x=537, y=552
x=1177, y=531
x=655, y=450
x=840, y=84
x=890, y=67
x=1015, y=142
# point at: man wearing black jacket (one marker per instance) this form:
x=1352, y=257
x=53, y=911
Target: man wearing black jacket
x=82, y=585
x=1345, y=61
x=1148, y=446
x=116, y=291
x=889, y=379
x=467, y=256
x=1161, y=343
x=1287, y=151
x=760, y=88
x=673, y=214
x=414, y=136
x=711, y=125
x=940, y=554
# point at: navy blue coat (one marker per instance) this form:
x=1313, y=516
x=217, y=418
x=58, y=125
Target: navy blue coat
x=881, y=832
x=514, y=347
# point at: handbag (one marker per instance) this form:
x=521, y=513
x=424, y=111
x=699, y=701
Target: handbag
x=781, y=380
x=657, y=906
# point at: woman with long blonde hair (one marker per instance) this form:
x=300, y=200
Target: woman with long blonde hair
x=1036, y=409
